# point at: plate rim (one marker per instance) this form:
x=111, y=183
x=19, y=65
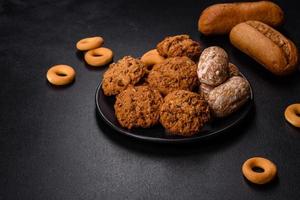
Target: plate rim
x=172, y=140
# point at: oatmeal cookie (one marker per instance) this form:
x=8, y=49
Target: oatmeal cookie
x=138, y=106
x=173, y=74
x=179, y=45
x=127, y=71
x=184, y=113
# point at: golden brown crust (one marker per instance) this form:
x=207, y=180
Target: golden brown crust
x=173, y=74
x=138, y=107
x=221, y=18
x=266, y=45
x=184, y=113
x=179, y=45
x=127, y=71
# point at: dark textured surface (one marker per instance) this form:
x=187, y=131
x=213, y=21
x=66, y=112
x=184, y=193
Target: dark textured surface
x=53, y=146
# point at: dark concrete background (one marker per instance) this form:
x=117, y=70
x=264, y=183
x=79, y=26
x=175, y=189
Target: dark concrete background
x=53, y=145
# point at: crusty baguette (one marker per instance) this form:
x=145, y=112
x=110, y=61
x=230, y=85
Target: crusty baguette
x=221, y=18
x=266, y=45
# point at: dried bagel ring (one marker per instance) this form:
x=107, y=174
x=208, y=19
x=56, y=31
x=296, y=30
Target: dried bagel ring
x=151, y=58
x=292, y=114
x=61, y=75
x=269, y=170
x=89, y=43
x=98, y=57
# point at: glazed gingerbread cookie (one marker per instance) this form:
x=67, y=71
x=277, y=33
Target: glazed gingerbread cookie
x=229, y=96
x=213, y=66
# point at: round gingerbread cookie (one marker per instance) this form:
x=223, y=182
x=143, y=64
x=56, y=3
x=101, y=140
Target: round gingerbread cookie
x=173, y=74
x=229, y=96
x=184, y=113
x=127, y=71
x=179, y=45
x=213, y=66
x=138, y=106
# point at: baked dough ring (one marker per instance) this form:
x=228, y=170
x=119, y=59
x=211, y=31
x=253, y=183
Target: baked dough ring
x=268, y=174
x=292, y=114
x=89, y=43
x=98, y=57
x=152, y=57
x=61, y=75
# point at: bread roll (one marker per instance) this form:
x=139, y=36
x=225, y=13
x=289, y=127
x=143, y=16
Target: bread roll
x=221, y=18
x=266, y=45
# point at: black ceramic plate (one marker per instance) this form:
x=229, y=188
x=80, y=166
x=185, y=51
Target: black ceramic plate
x=105, y=107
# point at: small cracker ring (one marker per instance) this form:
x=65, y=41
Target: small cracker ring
x=61, y=75
x=268, y=167
x=292, y=114
x=89, y=43
x=152, y=57
x=99, y=57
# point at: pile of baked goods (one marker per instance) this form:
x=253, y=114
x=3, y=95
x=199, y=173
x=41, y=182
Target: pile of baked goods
x=249, y=25
x=183, y=86
x=176, y=85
